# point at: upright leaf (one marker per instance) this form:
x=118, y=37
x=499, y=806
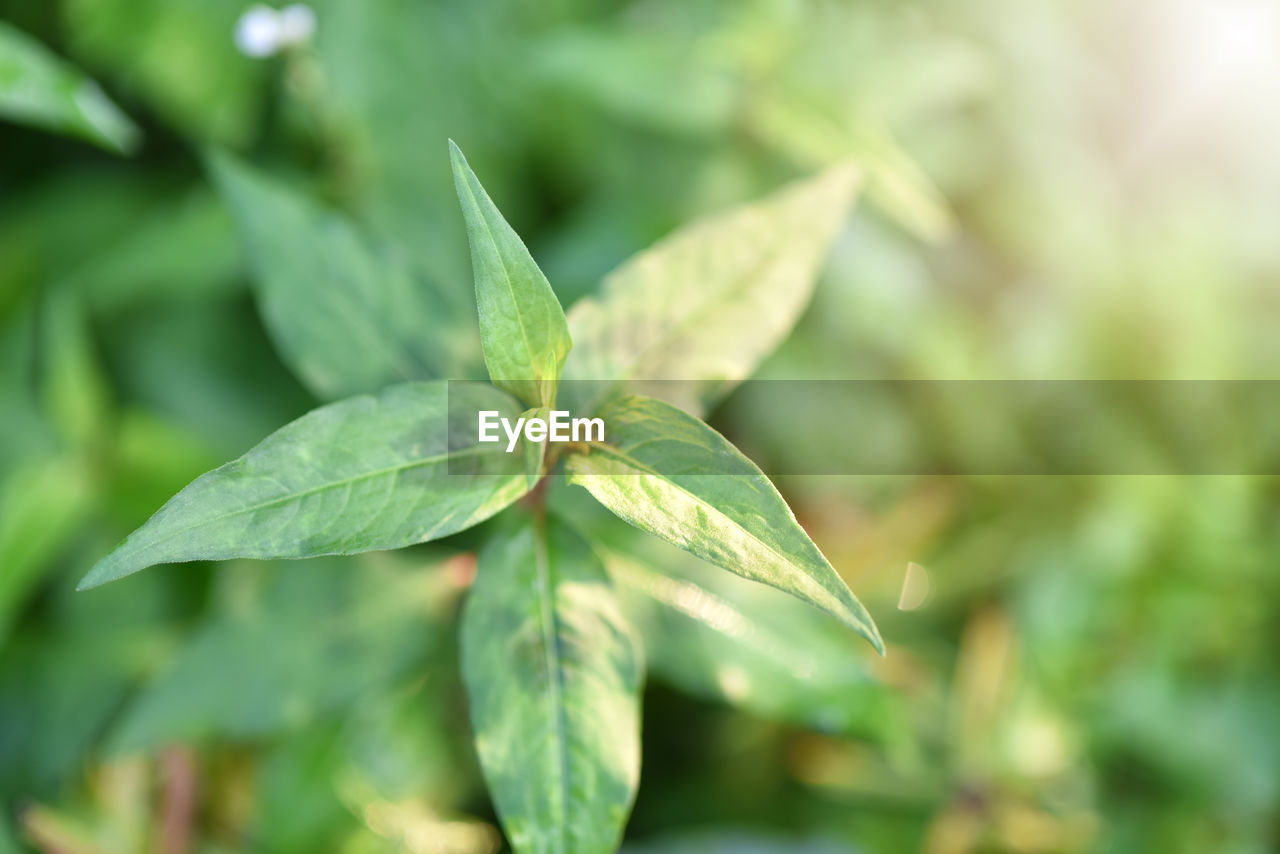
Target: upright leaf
x=370, y=472
x=522, y=327
x=348, y=315
x=38, y=88
x=552, y=673
x=666, y=472
x=709, y=302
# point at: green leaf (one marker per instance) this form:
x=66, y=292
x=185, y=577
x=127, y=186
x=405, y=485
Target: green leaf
x=552, y=672
x=348, y=315
x=666, y=472
x=709, y=302
x=370, y=472
x=38, y=88
x=522, y=327
x=719, y=636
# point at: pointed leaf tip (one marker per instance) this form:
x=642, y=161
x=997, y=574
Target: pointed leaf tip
x=327, y=483
x=523, y=330
x=710, y=301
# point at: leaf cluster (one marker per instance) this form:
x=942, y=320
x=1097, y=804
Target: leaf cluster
x=552, y=666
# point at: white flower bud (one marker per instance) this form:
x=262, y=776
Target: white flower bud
x=258, y=32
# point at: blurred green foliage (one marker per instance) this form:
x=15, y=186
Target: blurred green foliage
x=1094, y=668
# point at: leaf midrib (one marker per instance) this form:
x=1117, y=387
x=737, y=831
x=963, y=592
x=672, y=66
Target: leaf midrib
x=506, y=274
x=616, y=453
x=369, y=475
x=551, y=644
x=848, y=613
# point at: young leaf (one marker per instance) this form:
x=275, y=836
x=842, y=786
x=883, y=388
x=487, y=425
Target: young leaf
x=552, y=674
x=522, y=327
x=709, y=302
x=349, y=316
x=666, y=472
x=39, y=89
x=366, y=473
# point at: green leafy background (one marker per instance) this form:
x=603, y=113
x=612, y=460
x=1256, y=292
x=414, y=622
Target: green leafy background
x=1048, y=190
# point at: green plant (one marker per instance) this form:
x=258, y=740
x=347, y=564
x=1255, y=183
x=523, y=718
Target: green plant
x=552, y=668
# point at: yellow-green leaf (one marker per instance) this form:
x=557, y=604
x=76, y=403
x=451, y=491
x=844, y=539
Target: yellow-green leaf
x=708, y=303
x=667, y=473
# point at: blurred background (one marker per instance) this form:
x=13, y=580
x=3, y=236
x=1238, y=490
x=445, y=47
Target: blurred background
x=1071, y=189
